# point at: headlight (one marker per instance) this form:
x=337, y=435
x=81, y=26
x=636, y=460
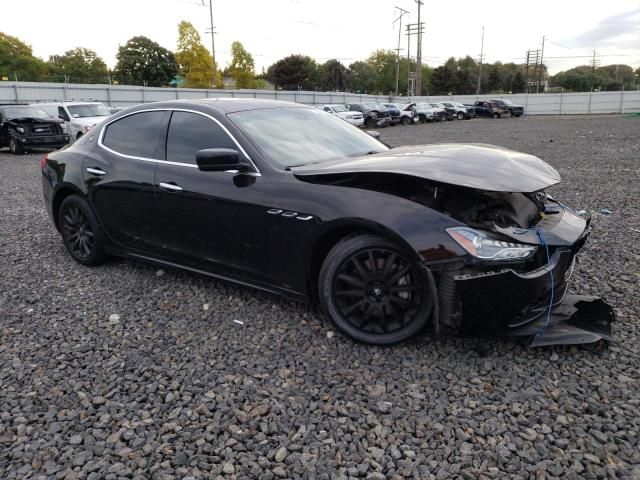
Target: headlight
x=484, y=247
x=20, y=129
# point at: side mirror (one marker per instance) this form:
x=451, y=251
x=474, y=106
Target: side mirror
x=373, y=133
x=220, y=160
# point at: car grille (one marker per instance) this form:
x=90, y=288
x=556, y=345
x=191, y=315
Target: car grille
x=45, y=129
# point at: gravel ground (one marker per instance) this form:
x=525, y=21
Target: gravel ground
x=127, y=371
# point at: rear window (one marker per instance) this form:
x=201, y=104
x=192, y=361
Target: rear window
x=134, y=135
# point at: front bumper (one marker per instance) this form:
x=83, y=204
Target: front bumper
x=513, y=300
x=43, y=142
x=358, y=122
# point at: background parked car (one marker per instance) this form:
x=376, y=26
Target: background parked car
x=443, y=111
x=374, y=115
x=78, y=116
x=354, y=118
x=394, y=111
x=28, y=127
x=459, y=110
x=407, y=113
x=427, y=113
x=490, y=109
x=514, y=109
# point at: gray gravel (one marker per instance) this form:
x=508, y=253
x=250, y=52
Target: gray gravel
x=127, y=372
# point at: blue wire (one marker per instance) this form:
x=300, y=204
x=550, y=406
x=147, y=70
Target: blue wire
x=540, y=234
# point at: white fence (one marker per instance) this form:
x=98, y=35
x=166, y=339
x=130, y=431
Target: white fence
x=125, y=96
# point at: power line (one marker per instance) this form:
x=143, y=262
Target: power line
x=403, y=12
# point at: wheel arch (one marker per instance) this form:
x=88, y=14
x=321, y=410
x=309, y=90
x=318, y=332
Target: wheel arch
x=58, y=197
x=338, y=231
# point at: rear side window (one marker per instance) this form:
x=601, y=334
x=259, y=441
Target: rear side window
x=190, y=132
x=134, y=135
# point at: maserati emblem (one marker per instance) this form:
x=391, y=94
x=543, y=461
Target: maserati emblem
x=377, y=291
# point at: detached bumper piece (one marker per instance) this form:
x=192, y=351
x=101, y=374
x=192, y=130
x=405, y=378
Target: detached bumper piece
x=578, y=319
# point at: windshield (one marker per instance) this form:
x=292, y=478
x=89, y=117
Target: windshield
x=339, y=108
x=24, y=111
x=88, y=110
x=301, y=136
x=457, y=104
x=506, y=102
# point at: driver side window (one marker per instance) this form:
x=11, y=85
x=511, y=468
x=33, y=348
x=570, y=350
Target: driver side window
x=189, y=132
x=62, y=114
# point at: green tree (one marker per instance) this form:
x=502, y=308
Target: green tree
x=17, y=60
x=142, y=60
x=494, y=81
x=194, y=60
x=362, y=77
x=294, y=72
x=519, y=85
x=445, y=78
x=79, y=65
x=334, y=76
x=242, y=67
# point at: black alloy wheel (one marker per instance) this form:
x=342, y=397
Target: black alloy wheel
x=80, y=232
x=15, y=147
x=460, y=116
x=373, y=292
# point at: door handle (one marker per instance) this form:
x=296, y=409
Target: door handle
x=96, y=171
x=170, y=187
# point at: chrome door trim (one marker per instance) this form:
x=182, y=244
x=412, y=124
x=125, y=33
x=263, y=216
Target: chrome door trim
x=167, y=162
x=170, y=186
x=96, y=171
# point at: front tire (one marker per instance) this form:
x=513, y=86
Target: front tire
x=80, y=231
x=496, y=116
x=373, y=291
x=15, y=147
x=460, y=116
x=405, y=121
x=370, y=123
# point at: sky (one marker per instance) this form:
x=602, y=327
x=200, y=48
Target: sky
x=348, y=30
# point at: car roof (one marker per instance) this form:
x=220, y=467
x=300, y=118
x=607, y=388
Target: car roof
x=221, y=105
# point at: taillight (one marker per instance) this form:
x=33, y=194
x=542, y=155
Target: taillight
x=43, y=161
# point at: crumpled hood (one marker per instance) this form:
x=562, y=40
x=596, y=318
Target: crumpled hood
x=479, y=166
x=23, y=120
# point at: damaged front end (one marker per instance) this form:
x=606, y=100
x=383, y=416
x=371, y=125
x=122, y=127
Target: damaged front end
x=518, y=285
x=520, y=248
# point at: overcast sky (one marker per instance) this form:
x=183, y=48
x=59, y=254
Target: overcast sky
x=348, y=30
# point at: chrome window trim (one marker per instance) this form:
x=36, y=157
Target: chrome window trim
x=167, y=162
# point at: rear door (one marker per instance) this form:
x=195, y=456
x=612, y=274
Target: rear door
x=119, y=177
x=209, y=220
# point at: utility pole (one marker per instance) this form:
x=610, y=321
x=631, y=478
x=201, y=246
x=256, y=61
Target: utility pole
x=541, y=67
x=413, y=29
x=419, y=53
x=481, y=58
x=594, y=63
x=526, y=69
x=535, y=67
x=213, y=44
x=402, y=13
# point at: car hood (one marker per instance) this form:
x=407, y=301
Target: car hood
x=87, y=121
x=479, y=166
x=23, y=120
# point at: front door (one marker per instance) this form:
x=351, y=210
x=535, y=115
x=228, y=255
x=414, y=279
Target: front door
x=209, y=220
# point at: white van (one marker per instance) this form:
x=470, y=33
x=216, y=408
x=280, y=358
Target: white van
x=79, y=117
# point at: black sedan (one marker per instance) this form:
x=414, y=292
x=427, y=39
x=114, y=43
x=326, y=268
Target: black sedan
x=290, y=199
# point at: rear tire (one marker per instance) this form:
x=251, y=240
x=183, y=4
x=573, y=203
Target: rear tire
x=15, y=147
x=80, y=231
x=496, y=115
x=460, y=116
x=373, y=291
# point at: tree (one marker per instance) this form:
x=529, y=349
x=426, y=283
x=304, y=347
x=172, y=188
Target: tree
x=17, y=60
x=142, y=60
x=194, y=60
x=79, y=65
x=494, y=82
x=242, y=67
x=519, y=85
x=334, y=76
x=294, y=72
x=445, y=78
x=362, y=77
